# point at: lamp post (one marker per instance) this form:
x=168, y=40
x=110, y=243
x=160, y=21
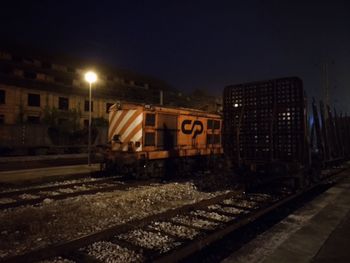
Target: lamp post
x=90, y=77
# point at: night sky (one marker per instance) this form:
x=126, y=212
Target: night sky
x=196, y=44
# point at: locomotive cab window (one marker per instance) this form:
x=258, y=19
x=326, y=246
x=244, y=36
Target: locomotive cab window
x=213, y=124
x=213, y=138
x=210, y=124
x=116, y=138
x=150, y=139
x=216, y=124
x=2, y=96
x=150, y=119
x=216, y=139
x=209, y=138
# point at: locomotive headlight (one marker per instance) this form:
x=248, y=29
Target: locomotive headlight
x=116, y=138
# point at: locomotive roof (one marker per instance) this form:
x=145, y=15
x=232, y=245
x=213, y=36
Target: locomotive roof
x=169, y=109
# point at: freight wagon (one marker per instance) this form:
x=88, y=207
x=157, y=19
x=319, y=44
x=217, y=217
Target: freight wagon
x=265, y=128
x=151, y=141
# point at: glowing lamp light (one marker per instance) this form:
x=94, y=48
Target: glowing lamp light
x=236, y=105
x=90, y=77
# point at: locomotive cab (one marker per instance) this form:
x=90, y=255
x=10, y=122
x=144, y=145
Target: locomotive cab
x=151, y=141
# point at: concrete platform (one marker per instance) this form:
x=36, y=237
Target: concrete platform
x=337, y=246
x=317, y=232
x=45, y=174
x=5, y=159
x=40, y=161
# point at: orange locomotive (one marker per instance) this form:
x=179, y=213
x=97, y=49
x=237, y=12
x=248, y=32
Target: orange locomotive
x=152, y=141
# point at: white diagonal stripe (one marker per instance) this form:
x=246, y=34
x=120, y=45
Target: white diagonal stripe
x=132, y=126
x=110, y=116
x=138, y=138
x=112, y=122
x=139, y=149
x=124, y=120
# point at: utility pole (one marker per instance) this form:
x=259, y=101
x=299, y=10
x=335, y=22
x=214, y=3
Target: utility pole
x=325, y=83
x=161, y=97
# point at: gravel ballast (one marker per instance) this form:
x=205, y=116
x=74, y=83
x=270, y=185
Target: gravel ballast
x=32, y=227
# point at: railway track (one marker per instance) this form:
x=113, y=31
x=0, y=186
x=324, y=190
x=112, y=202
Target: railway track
x=38, y=194
x=169, y=236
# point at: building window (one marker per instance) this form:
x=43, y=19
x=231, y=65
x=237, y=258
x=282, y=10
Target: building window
x=28, y=61
x=6, y=69
x=2, y=96
x=2, y=118
x=18, y=72
x=5, y=55
x=150, y=119
x=108, y=105
x=86, y=123
x=64, y=80
x=63, y=103
x=59, y=67
x=71, y=70
x=34, y=100
x=46, y=64
x=86, y=106
x=33, y=119
x=29, y=75
x=62, y=121
x=139, y=83
x=17, y=59
x=41, y=76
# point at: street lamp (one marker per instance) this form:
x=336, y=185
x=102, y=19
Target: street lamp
x=90, y=77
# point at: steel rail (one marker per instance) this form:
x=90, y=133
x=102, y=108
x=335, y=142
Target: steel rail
x=186, y=249
x=63, y=248
x=115, y=186
x=237, y=223
x=52, y=187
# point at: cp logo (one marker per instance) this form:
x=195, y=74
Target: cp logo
x=197, y=127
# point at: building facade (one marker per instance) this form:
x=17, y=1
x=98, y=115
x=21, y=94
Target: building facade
x=31, y=86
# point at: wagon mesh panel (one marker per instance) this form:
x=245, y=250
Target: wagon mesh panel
x=265, y=121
